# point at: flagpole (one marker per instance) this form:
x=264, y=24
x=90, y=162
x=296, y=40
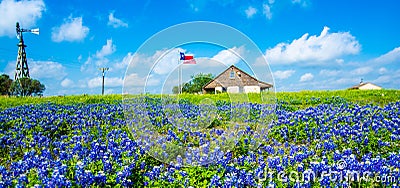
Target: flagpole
x=180, y=68
x=186, y=60
x=179, y=77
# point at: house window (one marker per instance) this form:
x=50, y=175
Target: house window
x=232, y=75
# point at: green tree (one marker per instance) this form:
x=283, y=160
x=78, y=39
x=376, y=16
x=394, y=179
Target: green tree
x=175, y=90
x=195, y=85
x=5, y=84
x=27, y=87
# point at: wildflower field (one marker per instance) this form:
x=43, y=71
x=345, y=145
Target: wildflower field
x=315, y=139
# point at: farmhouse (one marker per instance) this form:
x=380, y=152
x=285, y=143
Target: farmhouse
x=234, y=80
x=366, y=86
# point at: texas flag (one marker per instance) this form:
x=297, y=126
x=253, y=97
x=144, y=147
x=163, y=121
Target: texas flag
x=187, y=59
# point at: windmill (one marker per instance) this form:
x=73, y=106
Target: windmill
x=22, y=70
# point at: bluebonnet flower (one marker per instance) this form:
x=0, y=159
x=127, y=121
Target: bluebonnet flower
x=215, y=181
x=49, y=154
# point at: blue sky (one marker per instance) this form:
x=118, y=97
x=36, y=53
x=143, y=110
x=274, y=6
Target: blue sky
x=309, y=45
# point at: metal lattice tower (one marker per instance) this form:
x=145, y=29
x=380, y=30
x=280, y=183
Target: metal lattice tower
x=21, y=69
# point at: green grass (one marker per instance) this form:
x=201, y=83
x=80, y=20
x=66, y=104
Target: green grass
x=7, y=102
x=201, y=176
x=379, y=97
x=297, y=100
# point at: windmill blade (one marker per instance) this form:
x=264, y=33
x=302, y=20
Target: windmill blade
x=35, y=31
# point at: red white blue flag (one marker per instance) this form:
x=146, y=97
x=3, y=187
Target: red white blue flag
x=187, y=59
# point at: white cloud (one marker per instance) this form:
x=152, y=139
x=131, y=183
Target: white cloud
x=107, y=49
x=10, y=69
x=382, y=70
x=48, y=73
x=339, y=61
x=164, y=61
x=329, y=73
x=346, y=81
x=67, y=83
x=280, y=75
x=383, y=79
x=196, y=9
x=390, y=57
x=109, y=91
x=267, y=11
x=46, y=69
x=92, y=64
x=141, y=81
x=100, y=58
x=115, y=22
x=261, y=61
x=306, y=77
x=137, y=59
x=314, y=48
x=342, y=74
x=40, y=69
x=161, y=68
x=135, y=83
x=199, y=5
x=230, y=56
x=303, y=3
x=271, y=2
x=71, y=30
x=108, y=82
x=388, y=78
x=26, y=12
x=125, y=62
x=250, y=12
x=362, y=71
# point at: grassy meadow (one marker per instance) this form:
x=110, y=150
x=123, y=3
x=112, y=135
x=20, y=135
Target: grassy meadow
x=345, y=138
x=297, y=100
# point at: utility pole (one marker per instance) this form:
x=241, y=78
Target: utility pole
x=103, y=70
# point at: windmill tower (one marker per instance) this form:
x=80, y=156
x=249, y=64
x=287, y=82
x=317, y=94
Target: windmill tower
x=22, y=69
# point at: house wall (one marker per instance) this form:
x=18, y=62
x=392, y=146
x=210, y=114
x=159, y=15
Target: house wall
x=369, y=86
x=233, y=89
x=239, y=80
x=251, y=89
x=218, y=89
